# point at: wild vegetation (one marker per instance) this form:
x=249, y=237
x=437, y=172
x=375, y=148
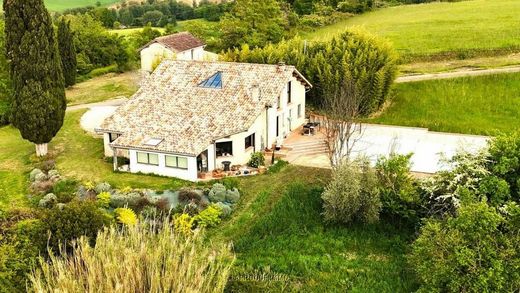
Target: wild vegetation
x=156, y=259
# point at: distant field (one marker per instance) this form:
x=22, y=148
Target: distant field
x=474, y=105
x=441, y=30
x=60, y=5
x=128, y=31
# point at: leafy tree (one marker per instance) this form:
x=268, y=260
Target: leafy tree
x=471, y=252
x=39, y=96
x=352, y=194
x=95, y=47
x=355, y=55
x=67, y=53
x=253, y=22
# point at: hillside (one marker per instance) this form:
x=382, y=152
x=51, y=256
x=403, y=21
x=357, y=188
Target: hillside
x=441, y=30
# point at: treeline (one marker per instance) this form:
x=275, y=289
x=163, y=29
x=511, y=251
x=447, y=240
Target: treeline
x=157, y=13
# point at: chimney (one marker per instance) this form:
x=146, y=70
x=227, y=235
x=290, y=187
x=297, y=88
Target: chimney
x=255, y=93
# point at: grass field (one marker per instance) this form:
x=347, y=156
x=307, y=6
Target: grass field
x=441, y=30
x=474, y=105
x=103, y=88
x=278, y=231
x=78, y=155
x=60, y=5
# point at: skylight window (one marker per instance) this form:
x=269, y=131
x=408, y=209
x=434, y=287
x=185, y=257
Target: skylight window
x=214, y=82
x=153, y=142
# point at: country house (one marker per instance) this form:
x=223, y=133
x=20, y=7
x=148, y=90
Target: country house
x=179, y=46
x=192, y=117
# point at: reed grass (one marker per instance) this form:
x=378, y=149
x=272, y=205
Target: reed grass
x=140, y=258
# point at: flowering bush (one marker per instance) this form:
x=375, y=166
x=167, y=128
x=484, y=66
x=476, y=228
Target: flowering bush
x=183, y=223
x=103, y=199
x=209, y=217
x=125, y=216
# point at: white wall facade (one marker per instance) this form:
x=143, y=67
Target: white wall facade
x=187, y=174
x=264, y=128
x=153, y=54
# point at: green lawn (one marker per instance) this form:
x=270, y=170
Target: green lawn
x=129, y=31
x=78, y=155
x=60, y=5
x=475, y=105
x=103, y=88
x=444, y=29
x=278, y=230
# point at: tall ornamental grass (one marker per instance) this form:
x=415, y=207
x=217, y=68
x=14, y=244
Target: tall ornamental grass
x=139, y=258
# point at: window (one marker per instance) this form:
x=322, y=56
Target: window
x=250, y=141
x=176, y=162
x=192, y=57
x=224, y=149
x=300, y=111
x=289, y=93
x=148, y=159
x=113, y=136
x=214, y=82
x=278, y=126
x=279, y=102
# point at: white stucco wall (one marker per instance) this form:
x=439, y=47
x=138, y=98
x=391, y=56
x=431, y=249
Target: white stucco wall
x=265, y=128
x=189, y=174
x=155, y=52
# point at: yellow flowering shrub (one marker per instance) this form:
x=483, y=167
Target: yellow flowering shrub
x=183, y=223
x=125, y=216
x=103, y=199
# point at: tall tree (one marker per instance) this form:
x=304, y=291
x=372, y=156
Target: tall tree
x=67, y=53
x=39, y=93
x=253, y=22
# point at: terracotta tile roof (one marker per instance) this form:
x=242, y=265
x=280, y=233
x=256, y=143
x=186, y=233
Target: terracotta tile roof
x=172, y=105
x=178, y=42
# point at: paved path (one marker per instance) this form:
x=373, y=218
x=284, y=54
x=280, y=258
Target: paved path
x=429, y=148
x=454, y=74
x=114, y=102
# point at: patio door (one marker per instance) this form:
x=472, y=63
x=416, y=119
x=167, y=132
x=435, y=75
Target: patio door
x=202, y=162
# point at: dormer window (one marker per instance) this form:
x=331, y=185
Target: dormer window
x=214, y=82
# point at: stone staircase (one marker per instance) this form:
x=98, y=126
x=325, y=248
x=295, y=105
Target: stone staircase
x=305, y=148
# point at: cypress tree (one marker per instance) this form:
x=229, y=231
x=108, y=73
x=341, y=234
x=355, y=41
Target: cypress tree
x=39, y=104
x=67, y=53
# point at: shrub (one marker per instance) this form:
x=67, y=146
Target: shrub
x=230, y=182
x=136, y=259
x=103, y=200
x=125, y=216
x=189, y=195
x=232, y=196
x=78, y=218
x=399, y=195
x=103, y=187
x=20, y=246
x=277, y=167
x=183, y=224
x=209, y=217
x=48, y=201
x=257, y=160
x=226, y=209
x=504, y=155
x=217, y=193
x=467, y=253
x=65, y=189
x=352, y=194
x=34, y=173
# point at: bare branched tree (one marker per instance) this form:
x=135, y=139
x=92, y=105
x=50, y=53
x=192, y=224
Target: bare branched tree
x=343, y=130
